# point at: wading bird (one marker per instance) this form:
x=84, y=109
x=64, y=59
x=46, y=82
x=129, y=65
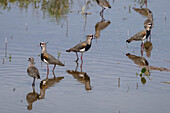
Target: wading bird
x=32, y=70
x=49, y=59
x=82, y=47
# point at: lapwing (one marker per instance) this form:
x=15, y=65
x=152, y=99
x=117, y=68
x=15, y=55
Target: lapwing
x=32, y=70
x=100, y=26
x=49, y=59
x=104, y=4
x=31, y=98
x=82, y=47
x=144, y=12
x=81, y=76
x=139, y=60
x=141, y=36
x=46, y=84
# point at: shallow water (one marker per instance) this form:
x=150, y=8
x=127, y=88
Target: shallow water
x=105, y=63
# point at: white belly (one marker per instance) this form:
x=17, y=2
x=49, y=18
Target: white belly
x=82, y=50
x=45, y=61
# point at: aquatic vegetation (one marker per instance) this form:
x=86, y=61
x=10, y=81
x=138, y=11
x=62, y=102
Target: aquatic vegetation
x=144, y=73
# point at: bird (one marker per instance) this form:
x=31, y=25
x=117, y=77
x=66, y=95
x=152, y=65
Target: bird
x=81, y=76
x=141, y=61
x=144, y=12
x=141, y=36
x=46, y=84
x=104, y=4
x=147, y=21
x=100, y=26
x=147, y=13
x=82, y=47
x=31, y=98
x=48, y=58
x=148, y=48
x=32, y=70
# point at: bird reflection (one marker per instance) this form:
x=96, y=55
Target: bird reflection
x=81, y=76
x=47, y=83
x=82, y=47
x=141, y=61
x=148, y=48
x=144, y=3
x=141, y=36
x=100, y=26
x=31, y=98
x=146, y=13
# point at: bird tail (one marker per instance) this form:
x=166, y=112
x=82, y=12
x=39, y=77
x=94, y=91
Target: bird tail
x=128, y=41
x=60, y=64
x=38, y=77
x=68, y=50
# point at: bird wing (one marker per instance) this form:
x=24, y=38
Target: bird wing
x=139, y=35
x=104, y=3
x=51, y=59
x=79, y=46
x=33, y=72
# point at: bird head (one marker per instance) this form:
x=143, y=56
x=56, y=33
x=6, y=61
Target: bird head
x=149, y=26
x=90, y=36
x=31, y=59
x=43, y=44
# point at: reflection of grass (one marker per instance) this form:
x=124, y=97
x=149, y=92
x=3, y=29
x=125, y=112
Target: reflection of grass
x=55, y=8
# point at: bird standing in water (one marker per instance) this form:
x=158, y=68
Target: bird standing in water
x=32, y=70
x=141, y=36
x=104, y=4
x=82, y=47
x=49, y=59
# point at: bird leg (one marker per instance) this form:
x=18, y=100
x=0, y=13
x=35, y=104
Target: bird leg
x=33, y=87
x=141, y=52
x=47, y=71
x=76, y=66
x=142, y=46
x=145, y=2
x=150, y=37
x=81, y=66
x=77, y=57
x=33, y=84
x=82, y=57
x=53, y=70
x=101, y=12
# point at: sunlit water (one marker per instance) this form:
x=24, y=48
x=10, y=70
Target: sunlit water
x=104, y=63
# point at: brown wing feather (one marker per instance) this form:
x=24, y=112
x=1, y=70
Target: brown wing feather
x=78, y=47
x=52, y=60
x=137, y=36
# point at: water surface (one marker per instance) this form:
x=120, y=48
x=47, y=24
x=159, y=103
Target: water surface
x=25, y=26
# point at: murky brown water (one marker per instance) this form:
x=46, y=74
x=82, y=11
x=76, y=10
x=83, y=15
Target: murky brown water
x=112, y=82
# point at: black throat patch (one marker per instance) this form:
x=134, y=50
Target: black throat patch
x=87, y=47
x=42, y=56
x=148, y=33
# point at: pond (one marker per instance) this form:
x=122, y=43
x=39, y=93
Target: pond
x=112, y=82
